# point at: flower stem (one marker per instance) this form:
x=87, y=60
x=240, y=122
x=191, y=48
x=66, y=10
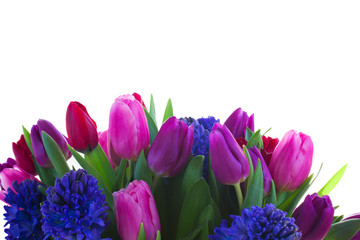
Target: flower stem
x=155, y=181
x=239, y=195
x=131, y=169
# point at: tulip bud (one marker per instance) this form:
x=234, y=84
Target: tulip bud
x=291, y=161
x=128, y=131
x=81, y=128
x=133, y=206
x=255, y=155
x=314, y=217
x=10, y=172
x=139, y=99
x=104, y=145
x=37, y=143
x=228, y=161
x=268, y=149
x=354, y=216
x=238, y=121
x=171, y=148
x=23, y=156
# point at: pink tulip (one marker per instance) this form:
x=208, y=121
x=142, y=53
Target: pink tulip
x=133, y=206
x=128, y=132
x=291, y=161
x=10, y=172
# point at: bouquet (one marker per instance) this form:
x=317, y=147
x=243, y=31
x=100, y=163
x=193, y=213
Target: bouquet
x=185, y=178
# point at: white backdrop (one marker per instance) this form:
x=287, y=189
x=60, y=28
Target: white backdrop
x=294, y=64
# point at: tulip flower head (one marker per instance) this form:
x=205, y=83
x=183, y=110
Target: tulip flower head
x=133, y=206
x=81, y=128
x=291, y=161
x=37, y=142
x=314, y=216
x=354, y=216
x=228, y=161
x=128, y=132
x=10, y=172
x=238, y=121
x=104, y=145
x=171, y=148
x=23, y=156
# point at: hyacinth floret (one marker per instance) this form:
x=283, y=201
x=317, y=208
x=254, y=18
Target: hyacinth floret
x=23, y=214
x=74, y=208
x=202, y=129
x=259, y=223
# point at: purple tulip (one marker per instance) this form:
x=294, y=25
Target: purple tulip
x=291, y=161
x=104, y=145
x=133, y=206
x=314, y=217
x=81, y=128
x=23, y=156
x=10, y=172
x=128, y=132
x=171, y=148
x=228, y=161
x=238, y=121
x=354, y=216
x=37, y=143
x=255, y=156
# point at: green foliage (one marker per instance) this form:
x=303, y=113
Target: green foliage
x=332, y=182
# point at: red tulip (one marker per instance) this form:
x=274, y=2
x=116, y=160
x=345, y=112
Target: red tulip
x=23, y=156
x=81, y=128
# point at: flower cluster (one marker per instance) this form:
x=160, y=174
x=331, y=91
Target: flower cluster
x=140, y=180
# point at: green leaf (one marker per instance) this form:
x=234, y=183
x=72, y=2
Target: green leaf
x=337, y=219
x=168, y=111
x=332, y=182
x=192, y=173
x=141, y=234
x=55, y=154
x=120, y=175
x=142, y=171
x=101, y=163
x=254, y=139
x=92, y=171
x=291, y=202
x=42, y=189
x=344, y=230
x=196, y=200
x=153, y=130
x=152, y=108
x=251, y=172
x=217, y=215
x=158, y=235
x=207, y=216
x=272, y=198
x=27, y=139
x=192, y=235
x=248, y=134
x=254, y=194
x=214, y=191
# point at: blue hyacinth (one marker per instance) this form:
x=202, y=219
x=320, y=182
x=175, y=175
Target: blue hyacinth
x=74, y=208
x=202, y=129
x=259, y=223
x=23, y=214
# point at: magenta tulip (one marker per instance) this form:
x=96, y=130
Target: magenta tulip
x=81, y=128
x=10, y=172
x=291, y=161
x=171, y=148
x=238, y=121
x=104, y=145
x=128, y=132
x=37, y=143
x=23, y=156
x=133, y=206
x=228, y=161
x=314, y=217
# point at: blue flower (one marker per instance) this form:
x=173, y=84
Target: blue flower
x=202, y=129
x=259, y=223
x=23, y=214
x=74, y=208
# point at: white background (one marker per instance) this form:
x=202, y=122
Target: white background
x=294, y=64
